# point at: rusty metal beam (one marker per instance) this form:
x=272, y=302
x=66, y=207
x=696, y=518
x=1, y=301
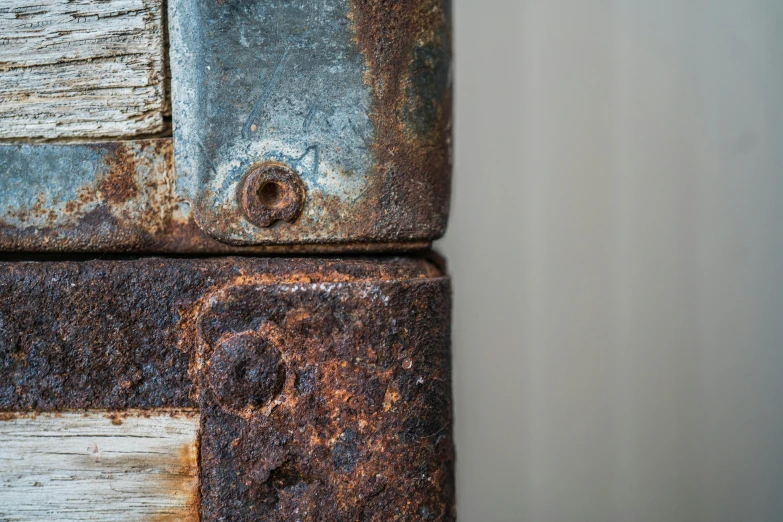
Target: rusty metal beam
x=114, y=197
x=323, y=384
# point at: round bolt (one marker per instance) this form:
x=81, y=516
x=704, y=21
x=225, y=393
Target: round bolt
x=246, y=370
x=271, y=192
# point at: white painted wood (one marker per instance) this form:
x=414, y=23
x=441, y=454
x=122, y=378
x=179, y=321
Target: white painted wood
x=77, y=466
x=81, y=68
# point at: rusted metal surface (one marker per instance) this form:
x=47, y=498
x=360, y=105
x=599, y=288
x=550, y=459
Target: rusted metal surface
x=351, y=99
x=86, y=196
x=349, y=417
x=353, y=95
x=95, y=197
x=111, y=197
x=272, y=192
x=95, y=334
x=323, y=384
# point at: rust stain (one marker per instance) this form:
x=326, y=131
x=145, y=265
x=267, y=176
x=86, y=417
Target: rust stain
x=119, y=183
x=183, y=481
x=189, y=462
x=407, y=49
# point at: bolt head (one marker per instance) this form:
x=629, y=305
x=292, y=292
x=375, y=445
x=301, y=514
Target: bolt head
x=246, y=370
x=271, y=192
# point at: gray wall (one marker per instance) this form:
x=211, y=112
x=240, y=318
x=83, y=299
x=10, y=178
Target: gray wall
x=616, y=244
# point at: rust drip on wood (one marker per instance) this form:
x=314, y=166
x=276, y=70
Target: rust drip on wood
x=185, y=478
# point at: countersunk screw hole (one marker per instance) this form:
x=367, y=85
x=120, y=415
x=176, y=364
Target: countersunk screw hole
x=271, y=194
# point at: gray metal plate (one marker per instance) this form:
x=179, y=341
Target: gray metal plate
x=354, y=96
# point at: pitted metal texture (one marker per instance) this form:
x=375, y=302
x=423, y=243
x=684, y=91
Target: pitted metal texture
x=323, y=385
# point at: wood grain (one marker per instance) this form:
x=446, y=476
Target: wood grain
x=95, y=466
x=80, y=68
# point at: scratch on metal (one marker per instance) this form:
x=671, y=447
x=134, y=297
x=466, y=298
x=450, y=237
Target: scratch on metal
x=265, y=95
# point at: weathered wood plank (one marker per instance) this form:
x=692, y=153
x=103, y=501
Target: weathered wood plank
x=80, y=68
x=95, y=466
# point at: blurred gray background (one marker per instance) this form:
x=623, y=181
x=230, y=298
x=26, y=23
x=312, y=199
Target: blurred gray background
x=616, y=244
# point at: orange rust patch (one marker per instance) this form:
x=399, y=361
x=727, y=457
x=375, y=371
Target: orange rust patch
x=187, y=461
x=182, y=478
x=119, y=183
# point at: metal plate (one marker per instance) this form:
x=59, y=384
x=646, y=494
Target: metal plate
x=111, y=197
x=354, y=96
x=323, y=385
x=92, y=197
x=353, y=403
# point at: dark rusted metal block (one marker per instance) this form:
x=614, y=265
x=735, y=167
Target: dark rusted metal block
x=323, y=384
x=350, y=400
